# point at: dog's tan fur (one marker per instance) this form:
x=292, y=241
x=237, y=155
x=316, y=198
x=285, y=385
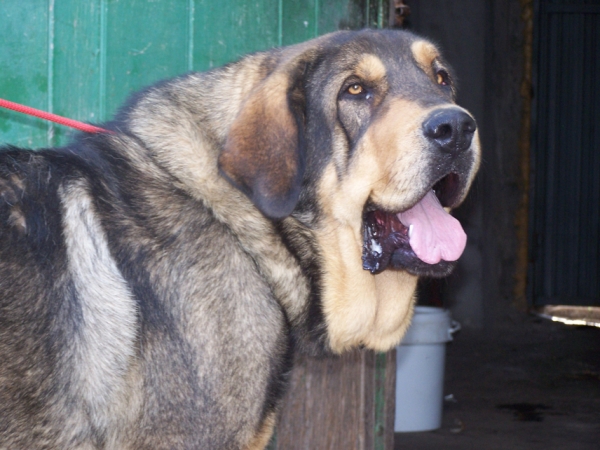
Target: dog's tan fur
x=363, y=309
x=425, y=54
x=262, y=438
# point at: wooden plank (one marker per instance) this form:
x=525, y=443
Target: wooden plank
x=24, y=67
x=326, y=403
x=341, y=15
x=332, y=403
x=300, y=21
x=145, y=42
x=225, y=32
x=77, y=63
x=389, y=407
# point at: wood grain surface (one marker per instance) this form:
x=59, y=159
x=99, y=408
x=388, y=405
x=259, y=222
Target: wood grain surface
x=344, y=402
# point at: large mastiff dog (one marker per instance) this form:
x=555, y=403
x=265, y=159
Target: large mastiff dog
x=156, y=280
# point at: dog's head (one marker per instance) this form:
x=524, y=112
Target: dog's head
x=359, y=133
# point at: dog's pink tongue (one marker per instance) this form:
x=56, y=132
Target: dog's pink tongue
x=434, y=234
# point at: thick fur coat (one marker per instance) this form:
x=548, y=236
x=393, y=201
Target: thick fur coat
x=156, y=280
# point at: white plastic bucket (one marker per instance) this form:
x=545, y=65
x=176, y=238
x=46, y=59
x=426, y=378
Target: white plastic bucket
x=420, y=362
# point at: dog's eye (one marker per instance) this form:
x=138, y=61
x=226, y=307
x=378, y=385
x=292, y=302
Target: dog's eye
x=355, y=89
x=442, y=77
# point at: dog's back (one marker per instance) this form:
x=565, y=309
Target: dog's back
x=98, y=344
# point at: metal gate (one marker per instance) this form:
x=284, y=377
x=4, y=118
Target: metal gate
x=565, y=195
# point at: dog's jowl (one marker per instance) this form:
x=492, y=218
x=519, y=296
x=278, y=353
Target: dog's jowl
x=155, y=281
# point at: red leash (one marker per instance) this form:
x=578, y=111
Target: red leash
x=52, y=117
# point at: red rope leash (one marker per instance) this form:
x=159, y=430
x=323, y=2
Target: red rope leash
x=52, y=117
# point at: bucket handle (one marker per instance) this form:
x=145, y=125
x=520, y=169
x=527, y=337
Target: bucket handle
x=454, y=327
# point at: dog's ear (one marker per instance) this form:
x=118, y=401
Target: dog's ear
x=263, y=155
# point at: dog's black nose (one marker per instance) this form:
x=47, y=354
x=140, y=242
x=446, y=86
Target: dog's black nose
x=451, y=129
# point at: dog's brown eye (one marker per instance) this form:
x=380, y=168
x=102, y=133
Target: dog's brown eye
x=355, y=89
x=442, y=78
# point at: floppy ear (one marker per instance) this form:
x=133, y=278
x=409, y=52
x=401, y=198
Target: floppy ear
x=262, y=156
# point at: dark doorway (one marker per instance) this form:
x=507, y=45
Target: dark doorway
x=564, y=253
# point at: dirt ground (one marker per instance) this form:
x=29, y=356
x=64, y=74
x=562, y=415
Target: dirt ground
x=527, y=384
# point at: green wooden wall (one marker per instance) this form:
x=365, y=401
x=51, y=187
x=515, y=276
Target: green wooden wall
x=82, y=58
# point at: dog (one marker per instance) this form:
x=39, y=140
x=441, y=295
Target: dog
x=156, y=279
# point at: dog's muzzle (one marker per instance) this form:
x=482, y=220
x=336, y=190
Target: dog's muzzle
x=425, y=239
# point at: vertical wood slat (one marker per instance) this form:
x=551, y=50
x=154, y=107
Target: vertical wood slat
x=77, y=63
x=344, y=402
x=24, y=70
x=50, y=106
x=299, y=21
x=340, y=14
x=191, y=19
x=103, y=32
x=146, y=42
x=223, y=34
x=385, y=401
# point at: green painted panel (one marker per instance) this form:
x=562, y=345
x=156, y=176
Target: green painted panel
x=82, y=59
x=225, y=31
x=24, y=69
x=340, y=15
x=146, y=41
x=300, y=21
x=303, y=20
x=77, y=63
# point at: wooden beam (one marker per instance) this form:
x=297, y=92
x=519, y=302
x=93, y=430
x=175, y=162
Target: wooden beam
x=345, y=402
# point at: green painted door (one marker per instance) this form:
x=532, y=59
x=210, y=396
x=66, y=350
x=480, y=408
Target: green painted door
x=82, y=58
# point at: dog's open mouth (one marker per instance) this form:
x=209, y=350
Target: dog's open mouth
x=423, y=240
